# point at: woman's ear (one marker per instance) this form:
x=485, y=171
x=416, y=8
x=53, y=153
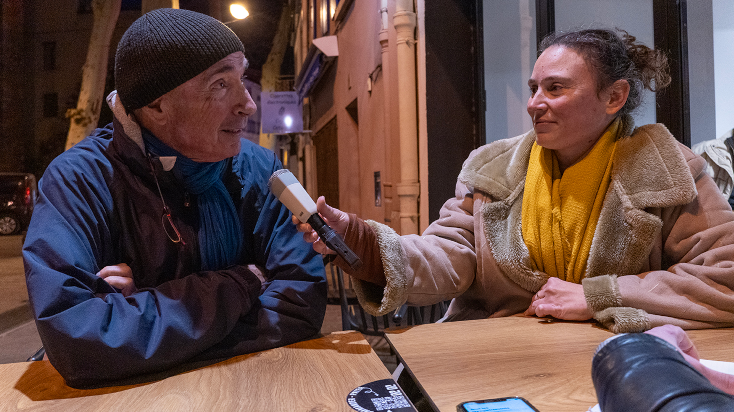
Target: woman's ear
x=618, y=93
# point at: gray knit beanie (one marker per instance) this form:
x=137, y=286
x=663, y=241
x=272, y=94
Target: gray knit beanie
x=165, y=48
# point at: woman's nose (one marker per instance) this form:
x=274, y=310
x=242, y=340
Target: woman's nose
x=536, y=103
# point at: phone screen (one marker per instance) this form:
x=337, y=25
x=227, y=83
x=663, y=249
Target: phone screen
x=498, y=405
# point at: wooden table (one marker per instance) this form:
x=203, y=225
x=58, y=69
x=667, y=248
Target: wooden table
x=547, y=363
x=315, y=375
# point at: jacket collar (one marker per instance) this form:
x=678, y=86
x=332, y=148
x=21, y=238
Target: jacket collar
x=650, y=147
x=132, y=129
x=124, y=121
x=127, y=140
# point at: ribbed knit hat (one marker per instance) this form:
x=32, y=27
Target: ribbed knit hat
x=165, y=48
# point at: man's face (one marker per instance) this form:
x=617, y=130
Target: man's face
x=568, y=113
x=206, y=116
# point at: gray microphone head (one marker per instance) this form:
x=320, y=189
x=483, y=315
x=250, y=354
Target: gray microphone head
x=289, y=191
x=279, y=180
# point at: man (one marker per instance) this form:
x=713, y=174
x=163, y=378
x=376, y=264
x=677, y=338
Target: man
x=156, y=241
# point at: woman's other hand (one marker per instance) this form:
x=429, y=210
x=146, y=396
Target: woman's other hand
x=335, y=218
x=560, y=299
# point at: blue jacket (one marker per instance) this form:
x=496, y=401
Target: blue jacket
x=98, y=206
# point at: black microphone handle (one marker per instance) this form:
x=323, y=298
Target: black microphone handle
x=334, y=241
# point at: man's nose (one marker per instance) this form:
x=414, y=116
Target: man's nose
x=247, y=106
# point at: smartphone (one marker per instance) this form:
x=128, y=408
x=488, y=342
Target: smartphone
x=511, y=404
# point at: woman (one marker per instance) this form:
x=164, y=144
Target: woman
x=582, y=217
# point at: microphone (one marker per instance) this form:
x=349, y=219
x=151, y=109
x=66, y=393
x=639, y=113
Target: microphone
x=289, y=191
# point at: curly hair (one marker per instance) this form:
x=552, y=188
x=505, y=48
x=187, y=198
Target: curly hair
x=615, y=55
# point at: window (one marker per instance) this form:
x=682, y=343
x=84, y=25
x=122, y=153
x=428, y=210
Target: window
x=50, y=104
x=723, y=38
x=324, y=17
x=312, y=18
x=49, y=55
x=510, y=30
x=84, y=7
x=131, y=5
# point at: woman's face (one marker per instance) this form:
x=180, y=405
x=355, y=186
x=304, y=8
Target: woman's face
x=568, y=113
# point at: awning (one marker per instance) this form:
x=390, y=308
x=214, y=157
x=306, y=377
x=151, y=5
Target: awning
x=322, y=50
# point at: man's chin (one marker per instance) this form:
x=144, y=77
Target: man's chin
x=233, y=148
x=230, y=150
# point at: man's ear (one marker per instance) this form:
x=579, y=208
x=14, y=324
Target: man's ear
x=153, y=113
x=617, y=96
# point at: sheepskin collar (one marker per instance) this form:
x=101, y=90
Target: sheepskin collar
x=649, y=171
x=648, y=148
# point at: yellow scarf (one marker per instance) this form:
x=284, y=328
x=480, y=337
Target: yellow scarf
x=560, y=212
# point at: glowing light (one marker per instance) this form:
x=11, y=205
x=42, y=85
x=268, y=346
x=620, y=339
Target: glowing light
x=288, y=122
x=238, y=11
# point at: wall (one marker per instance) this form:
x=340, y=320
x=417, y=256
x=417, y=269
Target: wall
x=362, y=146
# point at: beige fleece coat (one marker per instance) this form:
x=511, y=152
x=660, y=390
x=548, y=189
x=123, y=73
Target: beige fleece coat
x=663, y=251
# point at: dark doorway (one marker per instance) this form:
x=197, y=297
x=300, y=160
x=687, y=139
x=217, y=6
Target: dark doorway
x=327, y=162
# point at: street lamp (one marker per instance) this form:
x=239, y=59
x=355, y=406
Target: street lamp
x=238, y=11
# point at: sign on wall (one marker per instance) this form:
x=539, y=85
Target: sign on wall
x=282, y=112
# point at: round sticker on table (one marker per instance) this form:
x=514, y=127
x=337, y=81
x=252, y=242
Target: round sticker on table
x=383, y=395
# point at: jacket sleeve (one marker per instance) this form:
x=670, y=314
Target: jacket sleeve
x=421, y=270
x=292, y=305
x=94, y=335
x=696, y=289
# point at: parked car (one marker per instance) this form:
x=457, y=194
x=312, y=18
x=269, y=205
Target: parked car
x=18, y=193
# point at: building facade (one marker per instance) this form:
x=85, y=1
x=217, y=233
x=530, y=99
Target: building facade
x=398, y=92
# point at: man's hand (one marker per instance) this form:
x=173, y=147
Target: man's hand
x=678, y=338
x=560, y=299
x=335, y=218
x=120, y=277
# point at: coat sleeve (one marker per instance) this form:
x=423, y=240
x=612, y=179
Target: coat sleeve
x=292, y=305
x=94, y=335
x=696, y=289
x=422, y=270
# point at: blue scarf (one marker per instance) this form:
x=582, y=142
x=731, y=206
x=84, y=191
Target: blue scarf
x=220, y=234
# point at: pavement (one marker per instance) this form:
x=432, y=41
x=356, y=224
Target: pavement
x=19, y=338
